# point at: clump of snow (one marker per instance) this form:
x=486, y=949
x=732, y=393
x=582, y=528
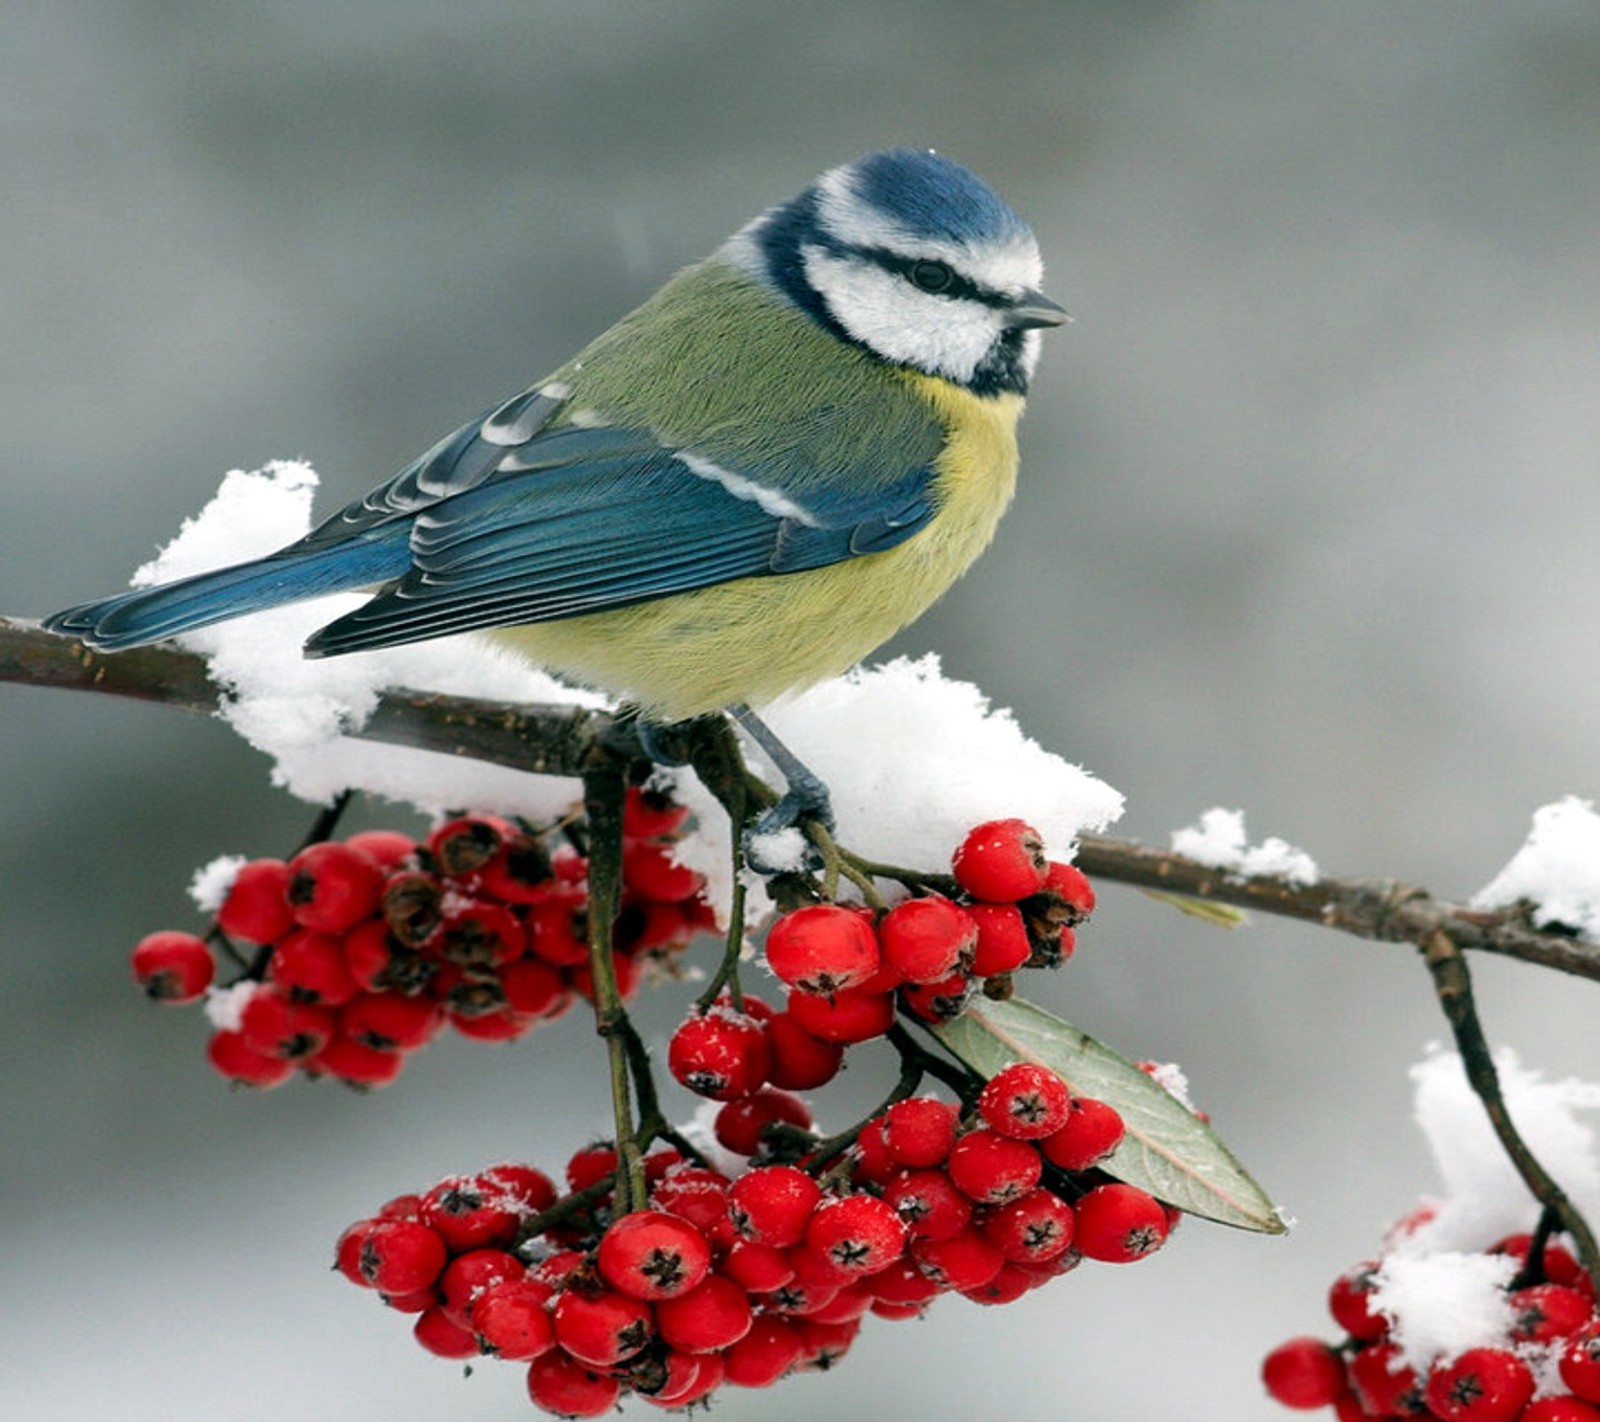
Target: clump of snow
x=1172, y=1079
x=1484, y=1198
x=1219, y=842
x=1445, y=1303
x=224, y=1006
x=915, y=760
x=1557, y=870
x=299, y=711
x=1443, y=1293
x=211, y=882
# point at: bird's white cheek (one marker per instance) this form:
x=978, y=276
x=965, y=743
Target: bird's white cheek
x=900, y=323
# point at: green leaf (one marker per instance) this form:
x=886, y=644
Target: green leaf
x=1217, y=915
x=1167, y=1150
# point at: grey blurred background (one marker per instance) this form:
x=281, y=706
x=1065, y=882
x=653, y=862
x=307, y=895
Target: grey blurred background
x=1308, y=526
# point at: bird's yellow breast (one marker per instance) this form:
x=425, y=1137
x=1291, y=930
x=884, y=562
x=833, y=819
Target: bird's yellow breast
x=753, y=639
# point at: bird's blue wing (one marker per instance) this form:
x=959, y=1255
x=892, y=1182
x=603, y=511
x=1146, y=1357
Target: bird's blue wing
x=577, y=520
x=459, y=462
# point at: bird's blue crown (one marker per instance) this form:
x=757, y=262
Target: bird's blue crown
x=860, y=251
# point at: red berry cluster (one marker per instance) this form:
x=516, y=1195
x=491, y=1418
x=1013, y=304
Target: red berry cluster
x=848, y=970
x=739, y=1282
x=1555, y=1341
x=371, y=945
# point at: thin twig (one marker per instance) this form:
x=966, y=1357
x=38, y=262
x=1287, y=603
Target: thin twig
x=1453, y=985
x=604, y=788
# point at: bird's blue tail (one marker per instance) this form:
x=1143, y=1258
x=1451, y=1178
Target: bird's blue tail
x=145, y=615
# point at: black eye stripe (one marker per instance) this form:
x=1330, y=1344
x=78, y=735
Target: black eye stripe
x=958, y=288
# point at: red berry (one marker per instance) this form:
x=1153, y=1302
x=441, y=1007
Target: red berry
x=721, y=1054
x=558, y=929
x=966, y=1260
x=256, y=905
x=525, y=1187
x=519, y=873
x=1546, y=1312
x=1565, y=1408
x=920, y=1131
x=390, y=1021
x=1382, y=1385
x=467, y=1276
x=512, y=1319
x=764, y=1354
x=741, y=1125
x=534, y=988
x=356, y=1064
x=858, y=1234
x=173, y=967
x=1304, y=1373
x=943, y=1001
x=824, y=1341
x=845, y=1018
x=873, y=1165
x=601, y=1327
x=1002, y=945
x=309, y=966
x=799, y=1061
x=929, y=1203
x=823, y=949
x=1580, y=1362
x=713, y=1315
x=994, y=1169
x=388, y=849
x=1480, y=1385
x=927, y=940
x=402, y=1256
x=1119, y=1224
x=702, y=1375
x=647, y=813
x=467, y=843
x=333, y=887
x=756, y=1268
x=651, y=870
x=695, y=1194
x=773, y=1204
x=1002, y=860
x=441, y=1335
x=231, y=1055
x=1032, y=1230
x=904, y=1282
x=1093, y=1129
x=1025, y=1101
x=653, y=1255
x=564, y=1386
x=376, y=961
x=411, y=905
x=472, y=1212
x=276, y=1027
x=478, y=933
x=1067, y=894
x=1350, y=1302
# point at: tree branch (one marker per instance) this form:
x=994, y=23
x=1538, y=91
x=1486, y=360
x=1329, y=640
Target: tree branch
x=562, y=740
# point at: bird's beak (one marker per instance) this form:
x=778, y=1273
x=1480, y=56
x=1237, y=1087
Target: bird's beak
x=1034, y=308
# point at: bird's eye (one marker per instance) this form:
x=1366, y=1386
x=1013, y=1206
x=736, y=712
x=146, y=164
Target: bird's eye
x=930, y=276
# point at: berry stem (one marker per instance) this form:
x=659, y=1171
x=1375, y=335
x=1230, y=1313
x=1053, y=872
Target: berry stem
x=1532, y=1271
x=1453, y=986
x=727, y=974
x=604, y=791
x=327, y=820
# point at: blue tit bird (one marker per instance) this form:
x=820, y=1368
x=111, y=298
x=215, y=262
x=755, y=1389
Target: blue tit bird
x=742, y=488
